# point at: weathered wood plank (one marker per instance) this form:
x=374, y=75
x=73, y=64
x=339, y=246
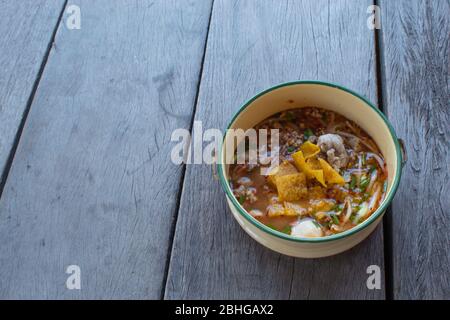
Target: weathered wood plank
x=250, y=47
x=92, y=183
x=416, y=49
x=26, y=29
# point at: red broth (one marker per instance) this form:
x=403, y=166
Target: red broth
x=294, y=198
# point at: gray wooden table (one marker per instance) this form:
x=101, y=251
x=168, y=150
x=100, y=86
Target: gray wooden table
x=86, y=117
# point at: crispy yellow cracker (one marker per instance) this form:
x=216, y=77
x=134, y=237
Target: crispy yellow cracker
x=284, y=168
x=311, y=167
x=331, y=175
x=316, y=170
x=293, y=209
x=309, y=149
x=291, y=187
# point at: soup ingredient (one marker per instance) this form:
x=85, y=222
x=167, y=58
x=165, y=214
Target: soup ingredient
x=256, y=213
x=309, y=149
x=333, y=146
x=315, y=167
x=348, y=208
x=331, y=176
x=308, y=133
x=244, y=193
x=291, y=187
x=283, y=169
x=306, y=228
x=309, y=168
x=362, y=213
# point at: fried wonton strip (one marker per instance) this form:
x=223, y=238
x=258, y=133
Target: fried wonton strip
x=311, y=168
x=291, y=187
x=288, y=209
x=331, y=175
x=283, y=169
x=300, y=163
x=309, y=149
x=293, y=209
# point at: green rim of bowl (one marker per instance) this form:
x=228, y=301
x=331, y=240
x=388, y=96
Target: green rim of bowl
x=387, y=200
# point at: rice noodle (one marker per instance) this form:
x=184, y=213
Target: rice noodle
x=349, y=210
x=375, y=196
x=378, y=159
x=362, y=213
x=357, y=171
x=352, y=128
x=358, y=175
x=373, y=178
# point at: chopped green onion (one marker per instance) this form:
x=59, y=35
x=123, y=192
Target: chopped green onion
x=337, y=208
x=308, y=133
x=353, y=182
x=335, y=219
x=242, y=199
x=364, y=183
x=287, y=230
x=291, y=149
x=372, y=169
x=363, y=159
x=362, y=213
x=271, y=226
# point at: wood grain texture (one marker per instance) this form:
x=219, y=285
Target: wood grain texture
x=416, y=49
x=251, y=46
x=26, y=29
x=92, y=183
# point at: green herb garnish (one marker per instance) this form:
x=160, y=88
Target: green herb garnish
x=364, y=183
x=353, y=182
x=337, y=208
x=335, y=219
x=287, y=230
x=291, y=149
x=363, y=159
x=372, y=169
x=242, y=199
x=271, y=226
x=308, y=133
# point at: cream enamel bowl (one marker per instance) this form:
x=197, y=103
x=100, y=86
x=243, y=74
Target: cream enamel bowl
x=327, y=96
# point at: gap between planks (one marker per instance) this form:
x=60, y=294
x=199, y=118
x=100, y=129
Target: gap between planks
x=183, y=173
x=387, y=219
x=36, y=82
